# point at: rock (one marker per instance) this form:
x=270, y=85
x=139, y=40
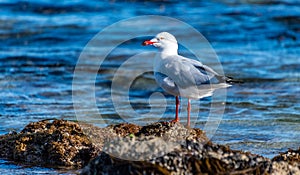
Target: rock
x=191, y=158
x=170, y=148
x=172, y=131
x=125, y=129
x=281, y=167
x=56, y=143
x=158, y=148
x=290, y=156
x=65, y=143
x=287, y=163
x=151, y=141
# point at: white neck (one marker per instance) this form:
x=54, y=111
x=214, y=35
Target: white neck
x=161, y=55
x=169, y=51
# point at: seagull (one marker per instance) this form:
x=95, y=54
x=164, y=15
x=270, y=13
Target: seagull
x=181, y=76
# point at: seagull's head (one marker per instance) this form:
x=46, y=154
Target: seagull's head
x=163, y=40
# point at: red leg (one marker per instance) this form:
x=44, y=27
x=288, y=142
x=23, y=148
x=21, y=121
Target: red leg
x=189, y=111
x=177, y=110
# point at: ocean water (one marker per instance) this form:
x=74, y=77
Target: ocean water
x=255, y=41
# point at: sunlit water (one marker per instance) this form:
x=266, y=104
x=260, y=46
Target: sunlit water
x=256, y=42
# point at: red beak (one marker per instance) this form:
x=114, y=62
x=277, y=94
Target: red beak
x=147, y=42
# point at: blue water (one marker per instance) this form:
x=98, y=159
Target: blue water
x=256, y=41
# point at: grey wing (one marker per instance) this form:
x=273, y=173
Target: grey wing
x=213, y=76
x=166, y=83
x=201, y=67
x=202, y=74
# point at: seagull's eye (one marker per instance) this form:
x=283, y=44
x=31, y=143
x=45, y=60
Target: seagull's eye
x=160, y=38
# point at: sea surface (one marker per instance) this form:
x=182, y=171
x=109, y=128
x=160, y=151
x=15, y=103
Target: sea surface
x=256, y=41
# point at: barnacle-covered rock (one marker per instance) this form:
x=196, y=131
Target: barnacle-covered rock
x=172, y=131
x=66, y=143
x=50, y=143
x=287, y=162
x=158, y=148
x=191, y=158
x=170, y=148
x=151, y=141
x=291, y=156
x=124, y=129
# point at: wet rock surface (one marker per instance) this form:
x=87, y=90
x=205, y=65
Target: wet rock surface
x=151, y=141
x=191, y=158
x=60, y=143
x=49, y=143
x=170, y=148
x=158, y=148
x=287, y=162
x=291, y=156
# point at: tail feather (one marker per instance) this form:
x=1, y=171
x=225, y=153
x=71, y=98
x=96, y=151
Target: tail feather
x=230, y=80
